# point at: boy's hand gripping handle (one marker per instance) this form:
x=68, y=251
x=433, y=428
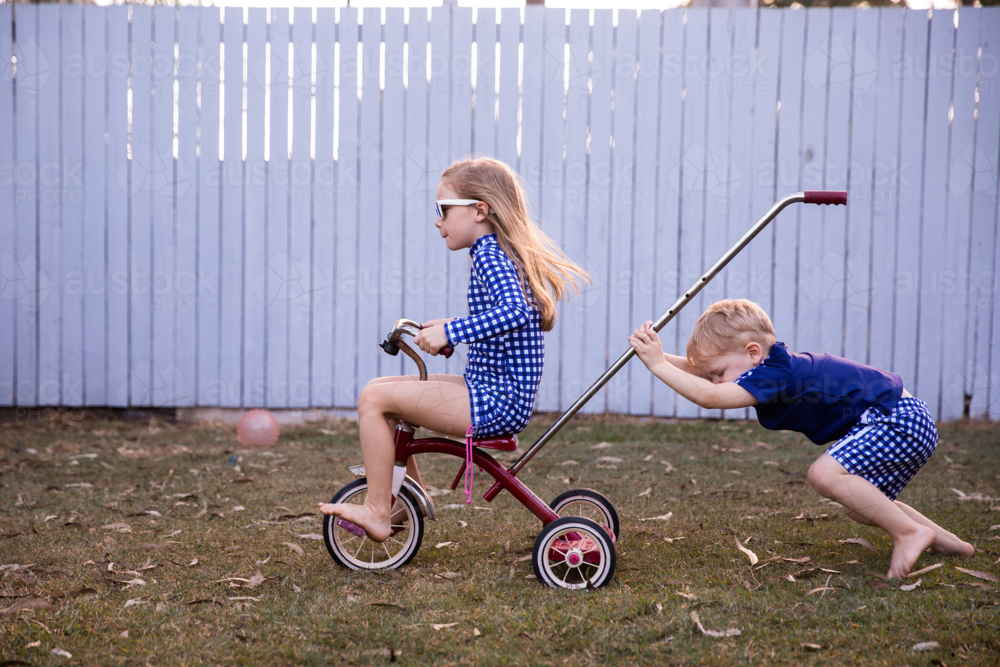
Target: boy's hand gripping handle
x=835, y=197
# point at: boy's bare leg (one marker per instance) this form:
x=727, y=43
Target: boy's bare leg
x=866, y=504
x=944, y=541
x=438, y=405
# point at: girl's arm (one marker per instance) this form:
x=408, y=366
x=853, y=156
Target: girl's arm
x=510, y=307
x=699, y=391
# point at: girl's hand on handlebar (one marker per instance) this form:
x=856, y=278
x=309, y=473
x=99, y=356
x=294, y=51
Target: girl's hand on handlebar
x=431, y=339
x=647, y=345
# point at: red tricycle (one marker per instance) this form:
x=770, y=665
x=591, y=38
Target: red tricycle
x=576, y=546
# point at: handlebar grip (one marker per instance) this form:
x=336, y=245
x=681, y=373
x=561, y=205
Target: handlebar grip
x=445, y=351
x=835, y=197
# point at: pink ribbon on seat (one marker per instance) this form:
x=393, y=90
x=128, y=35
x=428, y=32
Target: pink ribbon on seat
x=468, y=465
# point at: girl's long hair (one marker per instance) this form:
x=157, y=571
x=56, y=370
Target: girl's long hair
x=540, y=263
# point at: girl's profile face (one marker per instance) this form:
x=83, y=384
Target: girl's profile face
x=461, y=226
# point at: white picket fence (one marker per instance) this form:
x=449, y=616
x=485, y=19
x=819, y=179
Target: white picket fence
x=230, y=208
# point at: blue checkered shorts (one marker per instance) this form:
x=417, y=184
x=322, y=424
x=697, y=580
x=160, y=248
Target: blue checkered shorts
x=888, y=450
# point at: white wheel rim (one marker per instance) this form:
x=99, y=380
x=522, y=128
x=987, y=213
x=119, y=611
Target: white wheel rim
x=364, y=554
x=564, y=557
x=585, y=507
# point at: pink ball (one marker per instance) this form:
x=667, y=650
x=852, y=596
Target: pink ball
x=257, y=428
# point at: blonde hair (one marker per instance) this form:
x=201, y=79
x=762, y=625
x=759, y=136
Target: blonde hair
x=540, y=263
x=728, y=326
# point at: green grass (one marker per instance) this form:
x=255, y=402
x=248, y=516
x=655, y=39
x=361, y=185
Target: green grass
x=729, y=481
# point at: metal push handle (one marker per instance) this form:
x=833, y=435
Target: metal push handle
x=835, y=197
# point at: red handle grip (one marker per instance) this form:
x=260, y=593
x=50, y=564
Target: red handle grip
x=835, y=197
x=445, y=351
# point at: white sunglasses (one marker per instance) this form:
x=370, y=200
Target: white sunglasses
x=440, y=204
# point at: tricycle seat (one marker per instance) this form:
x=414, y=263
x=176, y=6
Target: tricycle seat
x=505, y=443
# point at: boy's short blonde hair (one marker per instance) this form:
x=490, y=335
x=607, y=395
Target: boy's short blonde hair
x=727, y=326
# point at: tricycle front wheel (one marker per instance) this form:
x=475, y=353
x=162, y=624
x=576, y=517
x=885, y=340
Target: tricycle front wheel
x=359, y=552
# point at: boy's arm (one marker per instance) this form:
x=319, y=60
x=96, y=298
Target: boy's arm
x=685, y=365
x=696, y=389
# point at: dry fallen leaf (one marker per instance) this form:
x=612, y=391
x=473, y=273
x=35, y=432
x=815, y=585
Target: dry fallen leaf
x=62, y=653
x=443, y=626
x=859, y=541
x=476, y=632
x=688, y=596
x=27, y=603
x=132, y=603
x=910, y=587
x=976, y=573
x=925, y=646
x=811, y=647
x=120, y=527
x=731, y=632
x=610, y=459
x=751, y=555
x=804, y=559
x=442, y=545
x=821, y=589
x=294, y=547
x=450, y=575
x=309, y=536
x=569, y=462
x=193, y=563
x=646, y=492
x=925, y=570
x=602, y=445
x=662, y=517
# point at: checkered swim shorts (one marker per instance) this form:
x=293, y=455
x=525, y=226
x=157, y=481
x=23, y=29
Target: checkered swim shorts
x=888, y=450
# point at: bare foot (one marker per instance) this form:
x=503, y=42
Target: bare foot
x=377, y=527
x=950, y=544
x=907, y=550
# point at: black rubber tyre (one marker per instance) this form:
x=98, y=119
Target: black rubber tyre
x=573, y=552
x=588, y=504
x=360, y=553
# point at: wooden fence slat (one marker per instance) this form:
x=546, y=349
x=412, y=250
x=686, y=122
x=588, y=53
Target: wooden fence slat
x=958, y=232
x=810, y=301
x=910, y=183
x=717, y=160
x=671, y=144
x=882, y=190
x=348, y=283
x=278, y=278
x=550, y=179
x=934, y=211
x=72, y=284
x=324, y=268
x=533, y=46
x=162, y=174
x=691, y=175
x=10, y=282
x=599, y=192
x=254, y=222
x=510, y=42
x=93, y=176
x=865, y=98
x=643, y=260
x=209, y=178
x=118, y=342
x=420, y=236
x=185, y=262
x=369, y=287
x=141, y=190
x=300, y=211
x=231, y=343
x=485, y=126
x=741, y=169
x=392, y=236
x=573, y=313
x=790, y=92
x=622, y=224
x=49, y=212
x=835, y=275
x=981, y=355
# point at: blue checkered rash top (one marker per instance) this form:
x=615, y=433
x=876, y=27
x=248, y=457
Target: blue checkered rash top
x=506, y=349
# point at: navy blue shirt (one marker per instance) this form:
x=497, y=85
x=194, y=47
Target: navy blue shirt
x=818, y=395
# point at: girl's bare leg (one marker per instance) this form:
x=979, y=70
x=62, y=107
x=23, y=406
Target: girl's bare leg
x=435, y=404
x=866, y=504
